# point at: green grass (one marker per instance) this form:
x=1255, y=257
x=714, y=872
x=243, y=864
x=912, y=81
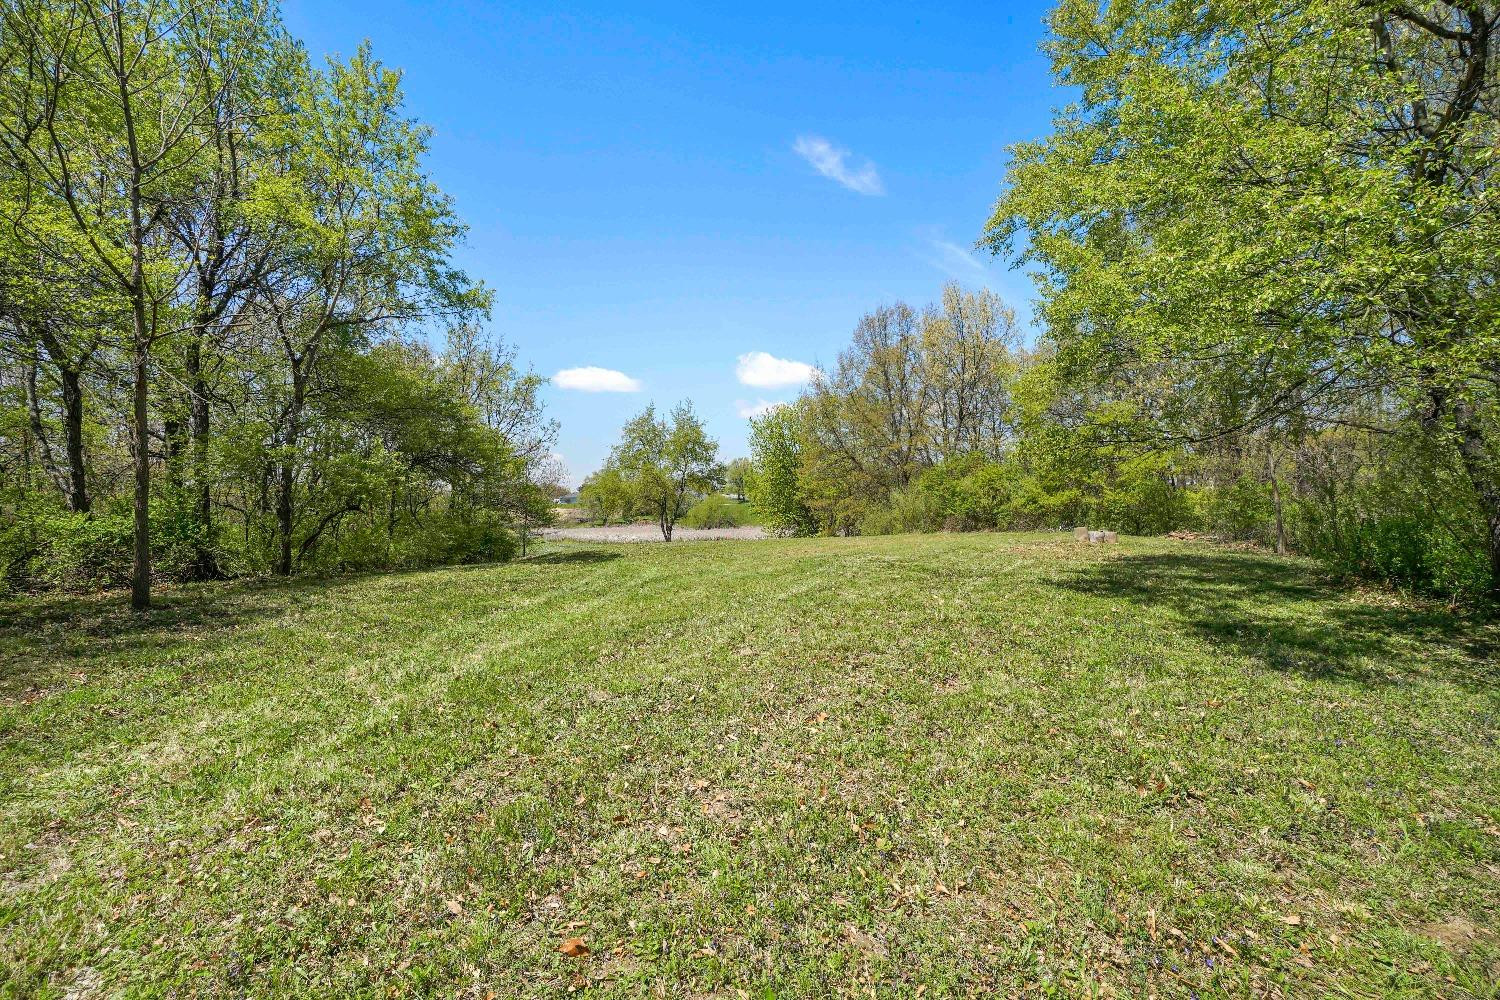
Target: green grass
x=977, y=765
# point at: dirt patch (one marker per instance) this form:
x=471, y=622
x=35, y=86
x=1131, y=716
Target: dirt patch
x=1456, y=933
x=651, y=533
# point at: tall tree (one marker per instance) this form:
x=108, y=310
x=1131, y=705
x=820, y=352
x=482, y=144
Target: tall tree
x=372, y=244
x=776, y=492
x=102, y=119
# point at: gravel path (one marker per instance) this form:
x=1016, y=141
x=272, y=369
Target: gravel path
x=651, y=533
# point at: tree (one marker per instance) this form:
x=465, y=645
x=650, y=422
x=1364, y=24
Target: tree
x=606, y=495
x=666, y=465
x=736, y=474
x=105, y=124
x=371, y=247
x=213, y=260
x=1280, y=220
x=775, y=486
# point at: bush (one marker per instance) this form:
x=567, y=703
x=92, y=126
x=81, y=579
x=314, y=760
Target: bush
x=1241, y=510
x=44, y=546
x=882, y=521
x=715, y=511
x=1396, y=514
x=1140, y=499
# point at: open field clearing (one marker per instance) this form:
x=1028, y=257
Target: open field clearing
x=651, y=533
x=961, y=765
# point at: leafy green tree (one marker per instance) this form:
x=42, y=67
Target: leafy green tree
x=1275, y=221
x=370, y=249
x=607, y=495
x=103, y=114
x=775, y=484
x=667, y=465
x=736, y=476
x=212, y=259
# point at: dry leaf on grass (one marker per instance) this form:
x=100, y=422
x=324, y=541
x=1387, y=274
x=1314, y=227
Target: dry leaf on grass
x=574, y=947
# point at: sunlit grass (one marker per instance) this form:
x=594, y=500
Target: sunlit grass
x=969, y=764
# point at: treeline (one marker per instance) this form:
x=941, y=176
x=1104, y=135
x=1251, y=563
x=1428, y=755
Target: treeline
x=218, y=262
x=1267, y=241
x=939, y=420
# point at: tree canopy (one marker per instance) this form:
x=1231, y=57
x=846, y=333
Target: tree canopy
x=222, y=265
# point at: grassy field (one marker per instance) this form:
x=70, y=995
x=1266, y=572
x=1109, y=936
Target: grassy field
x=915, y=766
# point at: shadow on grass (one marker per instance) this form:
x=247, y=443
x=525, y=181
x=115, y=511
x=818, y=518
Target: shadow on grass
x=47, y=635
x=575, y=557
x=1288, y=616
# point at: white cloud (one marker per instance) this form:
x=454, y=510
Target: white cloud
x=767, y=372
x=759, y=408
x=958, y=262
x=592, y=379
x=833, y=163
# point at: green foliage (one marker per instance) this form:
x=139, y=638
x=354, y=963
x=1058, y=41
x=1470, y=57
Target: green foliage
x=716, y=511
x=774, y=483
x=1255, y=227
x=1395, y=513
x=1240, y=509
x=737, y=477
x=193, y=210
x=607, y=496
x=663, y=465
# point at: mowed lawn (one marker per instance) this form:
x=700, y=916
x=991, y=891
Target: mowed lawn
x=934, y=766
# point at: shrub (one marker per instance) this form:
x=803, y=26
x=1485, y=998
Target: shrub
x=1242, y=510
x=45, y=546
x=715, y=511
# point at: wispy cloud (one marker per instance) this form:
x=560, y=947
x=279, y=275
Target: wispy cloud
x=833, y=162
x=764, y=371
x=759, y=408
x=955, y=261
x=592, y=379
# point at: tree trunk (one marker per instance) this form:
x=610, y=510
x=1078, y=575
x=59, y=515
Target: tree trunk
x=1480, y=466
x=140, y=573
x=39, y=429
x=200, y=429
x=70, y=378
x=287, y=475
x=174, y=431
x=284, y=520
x=1276, y=504
x=206, y=564
x=72, y=393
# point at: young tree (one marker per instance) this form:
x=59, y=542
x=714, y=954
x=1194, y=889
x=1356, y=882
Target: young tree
x=666, y=465
x=775, y=483
x=606, y=495
x=736, y=476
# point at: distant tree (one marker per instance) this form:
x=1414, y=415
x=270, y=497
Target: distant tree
x=606, y=495
x=774, y=481
x=667, y=465
x=736, y=476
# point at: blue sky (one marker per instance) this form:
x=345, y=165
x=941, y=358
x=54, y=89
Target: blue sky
x=659, y=190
